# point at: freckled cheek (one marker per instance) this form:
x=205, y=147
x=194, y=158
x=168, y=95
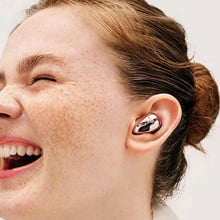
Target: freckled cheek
x=65, y=121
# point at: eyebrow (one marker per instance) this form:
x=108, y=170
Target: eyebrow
x=27, y=64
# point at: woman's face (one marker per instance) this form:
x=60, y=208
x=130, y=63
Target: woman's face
x=60, y=94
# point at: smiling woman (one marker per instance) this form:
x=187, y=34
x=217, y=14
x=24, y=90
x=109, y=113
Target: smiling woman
x=100, y=100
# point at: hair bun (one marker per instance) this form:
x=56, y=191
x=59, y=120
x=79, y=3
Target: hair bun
x=206, y=106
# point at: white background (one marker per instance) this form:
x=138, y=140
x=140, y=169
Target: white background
x=199, y=194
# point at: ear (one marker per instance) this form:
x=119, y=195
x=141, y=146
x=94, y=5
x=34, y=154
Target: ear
x=168, y=111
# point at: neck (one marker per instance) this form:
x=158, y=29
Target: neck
x=117, y=207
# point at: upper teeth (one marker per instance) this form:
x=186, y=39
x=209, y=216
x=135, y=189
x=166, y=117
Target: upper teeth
x=7, y=151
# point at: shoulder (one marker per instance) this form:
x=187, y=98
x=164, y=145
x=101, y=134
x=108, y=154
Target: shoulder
x=163, y=212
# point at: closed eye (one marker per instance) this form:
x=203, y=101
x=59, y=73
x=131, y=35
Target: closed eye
x=43, y=78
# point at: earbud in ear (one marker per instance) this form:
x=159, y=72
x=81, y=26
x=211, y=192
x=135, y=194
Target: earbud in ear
x=147, y=124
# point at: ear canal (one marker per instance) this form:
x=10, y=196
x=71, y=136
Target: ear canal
x=147, y=124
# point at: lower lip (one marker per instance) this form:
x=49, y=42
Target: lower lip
x=5, y=174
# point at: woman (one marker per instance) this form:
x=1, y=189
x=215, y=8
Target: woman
x=98, y=100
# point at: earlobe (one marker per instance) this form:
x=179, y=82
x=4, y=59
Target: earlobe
x=153, y=122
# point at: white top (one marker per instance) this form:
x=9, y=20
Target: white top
x=164, y=212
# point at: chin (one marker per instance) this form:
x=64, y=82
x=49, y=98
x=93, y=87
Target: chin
x=22, y=190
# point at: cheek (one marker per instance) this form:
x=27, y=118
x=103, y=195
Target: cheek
x=80, y=131
x=73, y=120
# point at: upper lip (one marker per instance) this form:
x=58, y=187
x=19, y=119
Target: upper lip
x=16, y=140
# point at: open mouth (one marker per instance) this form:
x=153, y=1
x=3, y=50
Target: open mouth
x=16, y=157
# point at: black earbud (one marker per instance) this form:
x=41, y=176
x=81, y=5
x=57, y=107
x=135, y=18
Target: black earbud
x=147, y=124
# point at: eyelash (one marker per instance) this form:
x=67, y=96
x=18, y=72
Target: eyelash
x=44, y=78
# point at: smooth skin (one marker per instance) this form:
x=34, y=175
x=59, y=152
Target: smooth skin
x=73, y=105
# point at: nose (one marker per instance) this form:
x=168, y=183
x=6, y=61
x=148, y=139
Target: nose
x=9, y=105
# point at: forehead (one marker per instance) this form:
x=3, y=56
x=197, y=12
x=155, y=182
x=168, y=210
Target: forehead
x=60, y=30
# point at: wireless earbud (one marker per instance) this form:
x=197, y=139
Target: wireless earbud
x=147, y=124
